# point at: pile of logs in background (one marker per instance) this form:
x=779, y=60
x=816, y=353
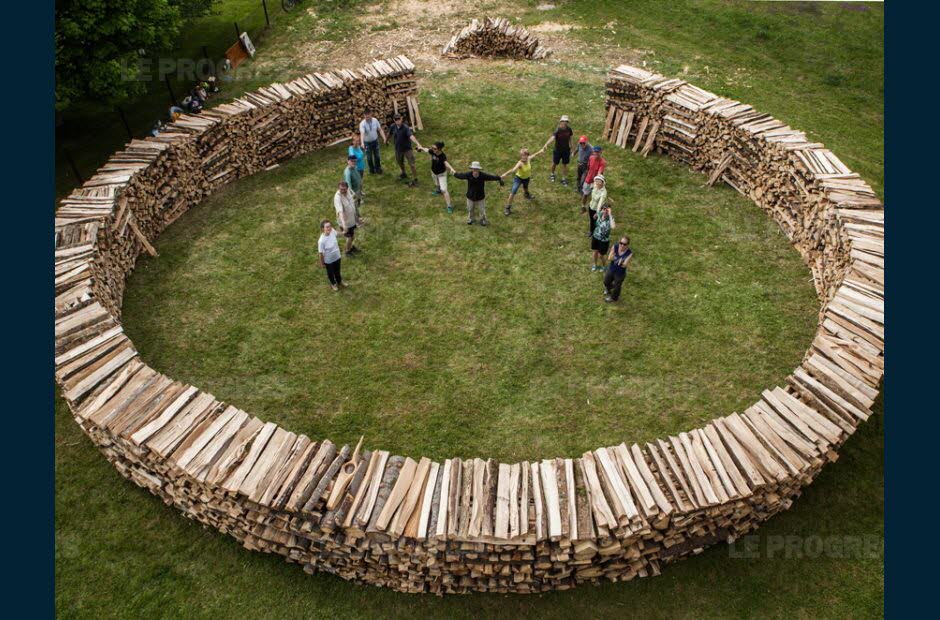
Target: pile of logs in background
x=457, y=525
x=495, y=38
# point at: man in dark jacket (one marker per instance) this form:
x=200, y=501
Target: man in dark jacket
x=476, y=193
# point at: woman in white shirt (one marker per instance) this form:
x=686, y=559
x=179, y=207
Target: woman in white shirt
x=330, y=256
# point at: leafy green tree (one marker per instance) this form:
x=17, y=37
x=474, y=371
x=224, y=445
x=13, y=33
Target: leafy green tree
x=98, y=43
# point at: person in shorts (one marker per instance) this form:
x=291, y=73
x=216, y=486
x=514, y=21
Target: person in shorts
x=596, y=165
x=600, y=240
x=330, y=257
x=345, y=205
x=439, y=168
x=581, y=155
x=522, y=174
x=476, y=192
x=562, y=151
x=369, y=131
x=619, y=257
x=402, y=136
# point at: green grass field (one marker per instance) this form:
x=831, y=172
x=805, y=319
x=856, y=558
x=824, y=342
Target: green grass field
x=460, y=341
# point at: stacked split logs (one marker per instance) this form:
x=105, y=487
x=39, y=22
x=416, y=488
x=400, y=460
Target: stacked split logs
x=495, y=38
x=458, y=525
x=798, y=182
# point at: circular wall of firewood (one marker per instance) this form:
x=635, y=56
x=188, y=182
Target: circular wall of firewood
x=613, y=513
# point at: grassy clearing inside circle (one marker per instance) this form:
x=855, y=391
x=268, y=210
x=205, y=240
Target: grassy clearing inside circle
x=457, y=340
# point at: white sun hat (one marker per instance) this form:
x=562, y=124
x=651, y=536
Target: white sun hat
x=564, y=117
x=476, y=166
x=600, y=177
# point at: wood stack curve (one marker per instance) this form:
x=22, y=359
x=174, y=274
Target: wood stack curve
x=419, y=525
x=495, y=38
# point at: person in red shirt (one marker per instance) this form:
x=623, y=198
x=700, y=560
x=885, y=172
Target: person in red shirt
x=596, y=165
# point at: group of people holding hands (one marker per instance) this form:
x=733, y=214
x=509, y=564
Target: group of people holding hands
x=590, y=185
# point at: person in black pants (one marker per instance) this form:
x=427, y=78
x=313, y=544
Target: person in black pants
x=619, y=257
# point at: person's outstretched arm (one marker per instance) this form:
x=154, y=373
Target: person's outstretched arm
x=418, y=144
x=451, y=168
x=511, y=170
x=463, y=176
x=536, y=154
x=551, y=139
x=486, y=176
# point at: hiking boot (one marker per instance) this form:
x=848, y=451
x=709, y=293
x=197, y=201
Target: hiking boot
x=507, y=210
x=437, y=192
x=484, y=222
x=402, y=176
x=609, y=299
x=564, y=182
x=469, y=221
x=334, y=287
x=528, y=196
x=594, y=268
x=450, y=208
x=551, y=177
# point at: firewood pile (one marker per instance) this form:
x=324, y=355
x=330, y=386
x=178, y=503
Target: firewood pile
x=495, y=38
x=798, y=182
x=459, y=525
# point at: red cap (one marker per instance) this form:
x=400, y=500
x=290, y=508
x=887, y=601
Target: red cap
x=582, y=139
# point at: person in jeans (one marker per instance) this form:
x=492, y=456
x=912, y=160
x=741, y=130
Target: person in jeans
x=476, y=193
x=354, y=182
x=369, y=131
x=402, y=137
x=598, y=199
x=521, y=178
x=582, y=154
x=356, y=150
x=347, y=216
x=619, y=257
x=330, y=257
x=596, y=165
x=439, y=169
x=562, y=152
x=600, y=241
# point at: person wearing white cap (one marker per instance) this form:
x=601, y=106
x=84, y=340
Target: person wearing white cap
x=476, y=193
x=562, y=152
x=598, y=200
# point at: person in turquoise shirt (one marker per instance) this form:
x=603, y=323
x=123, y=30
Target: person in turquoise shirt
x=353, y=180
x=355, y=150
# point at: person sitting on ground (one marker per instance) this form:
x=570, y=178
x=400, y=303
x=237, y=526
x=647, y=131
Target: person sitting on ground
x=521, y=178
x=562, y=152
x=439, y=169
x=402, y=137
x=346, y=215
x=598, y=199
x=175, y=112
x=596, y=165
x=212, y=85
x=476, y=193
x=619, y=257
x=355, y=150
x=330, y=257
x=600, y=241
x=369, y=131
x=200, y=92
x=582, y=154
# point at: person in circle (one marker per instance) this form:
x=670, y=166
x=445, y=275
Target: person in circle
x=355, y=150
x=476, y=191
x=600, y=240
x=330, y=257
x=618, y=259
x=522, y=174
x=597, y=200
x=562, y=151
x=347, y=215
x=582, y=154
x=596, y=165
x=370, y=129
x=439, y=168
x=402, y=137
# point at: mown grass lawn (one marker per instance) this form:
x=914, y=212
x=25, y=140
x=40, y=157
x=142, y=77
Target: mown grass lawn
x=464, y=341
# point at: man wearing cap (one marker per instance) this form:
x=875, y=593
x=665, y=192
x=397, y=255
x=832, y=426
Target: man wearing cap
x=476, y=193
x=346, y=215
x=583, y=153
x=562, y=152
x=596, y=165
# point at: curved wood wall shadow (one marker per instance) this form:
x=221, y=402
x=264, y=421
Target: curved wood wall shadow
x=462, y=525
